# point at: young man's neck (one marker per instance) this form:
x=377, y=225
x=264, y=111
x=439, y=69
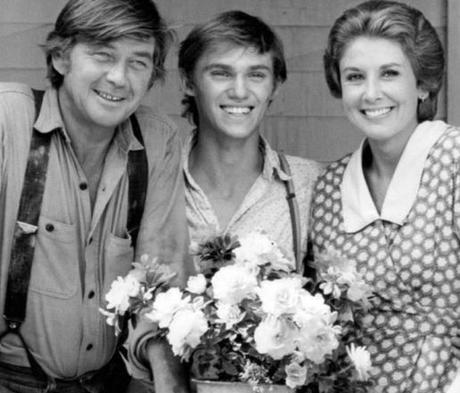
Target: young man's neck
x=226, y=160
x=225, y=172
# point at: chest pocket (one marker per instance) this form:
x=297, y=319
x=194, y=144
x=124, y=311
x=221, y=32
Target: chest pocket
x=55, y=268
x=118, y=255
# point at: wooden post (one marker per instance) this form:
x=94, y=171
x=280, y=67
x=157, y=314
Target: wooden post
x=453, y=62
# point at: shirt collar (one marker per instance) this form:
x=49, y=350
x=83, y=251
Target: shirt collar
x=50, y=119
x=187, y=148
x=358, y=208
x=270, y=156
x=271, y=162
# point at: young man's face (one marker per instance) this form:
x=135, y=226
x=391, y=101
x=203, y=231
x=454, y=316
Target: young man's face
x=104, y=84
x=232, y=86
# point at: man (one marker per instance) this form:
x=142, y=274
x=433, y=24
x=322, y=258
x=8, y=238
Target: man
x=104, y=179
x=233, y=67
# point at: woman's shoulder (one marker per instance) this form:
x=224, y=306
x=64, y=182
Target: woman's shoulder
x=448, y=144
x=336, y=168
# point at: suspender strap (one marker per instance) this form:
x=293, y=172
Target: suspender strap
x=138, y=179
x=294, y=212
x=22, y=251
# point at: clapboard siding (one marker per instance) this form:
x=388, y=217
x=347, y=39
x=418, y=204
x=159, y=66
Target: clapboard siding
x=282, y=12
x=278, y=12
x=304, y=119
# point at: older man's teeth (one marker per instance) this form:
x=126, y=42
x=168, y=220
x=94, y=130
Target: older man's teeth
x=108, y=97
x=376, y=112
x=237, y=110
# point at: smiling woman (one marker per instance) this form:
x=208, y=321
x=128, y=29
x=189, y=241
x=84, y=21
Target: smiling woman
x=393, y=204
x=379, y=89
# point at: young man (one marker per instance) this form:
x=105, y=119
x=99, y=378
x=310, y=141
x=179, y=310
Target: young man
x=232, y=67
x=104, y=179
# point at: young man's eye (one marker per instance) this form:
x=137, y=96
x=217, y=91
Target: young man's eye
x=257, y=75
x=220, y=74
x=139, y=64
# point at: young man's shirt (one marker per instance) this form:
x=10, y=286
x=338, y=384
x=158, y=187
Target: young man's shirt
x=265, y=206
x=81, y=249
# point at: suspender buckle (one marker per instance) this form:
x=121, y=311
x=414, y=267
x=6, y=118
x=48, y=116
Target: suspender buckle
x=27, y=228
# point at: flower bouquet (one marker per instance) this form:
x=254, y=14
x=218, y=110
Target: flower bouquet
x=248, y=317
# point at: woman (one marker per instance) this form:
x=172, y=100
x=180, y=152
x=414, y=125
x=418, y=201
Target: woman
x=394, y=204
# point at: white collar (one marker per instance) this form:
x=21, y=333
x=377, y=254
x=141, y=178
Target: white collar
x=358, y=208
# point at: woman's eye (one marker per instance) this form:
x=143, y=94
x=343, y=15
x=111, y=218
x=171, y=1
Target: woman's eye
x=390, y=73
x=354, y=77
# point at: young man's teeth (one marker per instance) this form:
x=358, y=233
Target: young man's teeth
x=108, y=96
x=237, y=109
x=376, y=112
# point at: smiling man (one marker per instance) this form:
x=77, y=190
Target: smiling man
x=233, y=67
x=89, y=181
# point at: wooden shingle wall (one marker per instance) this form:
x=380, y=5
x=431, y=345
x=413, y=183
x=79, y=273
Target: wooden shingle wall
x=304, y=119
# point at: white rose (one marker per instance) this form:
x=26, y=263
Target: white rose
x=133, y=285
x=185, y=331
x=280, y=296
x=311, y=307
x=253, y=248
x=120, y=291
x=256, y=248
x=361, y=359
x=233, y=283
x=275, y=337
x=318, y=339
x=296, y=375
x=196, y=284
x=165, y=305
x=229, y=314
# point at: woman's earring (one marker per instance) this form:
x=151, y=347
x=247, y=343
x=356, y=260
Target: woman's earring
x=423, y=96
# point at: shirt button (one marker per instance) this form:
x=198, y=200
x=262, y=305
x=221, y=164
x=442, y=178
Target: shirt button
x=91, y=294
x=83, y=186
x=49, y=227
x=89, y=347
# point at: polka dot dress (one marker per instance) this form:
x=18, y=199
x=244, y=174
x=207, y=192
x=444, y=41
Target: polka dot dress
x=414, y=269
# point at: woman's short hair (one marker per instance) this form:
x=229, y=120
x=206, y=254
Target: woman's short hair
x=231, y=27
x=397, y=22
x=102, y=21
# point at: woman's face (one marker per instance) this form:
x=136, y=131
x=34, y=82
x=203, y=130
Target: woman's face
x=379, y=89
